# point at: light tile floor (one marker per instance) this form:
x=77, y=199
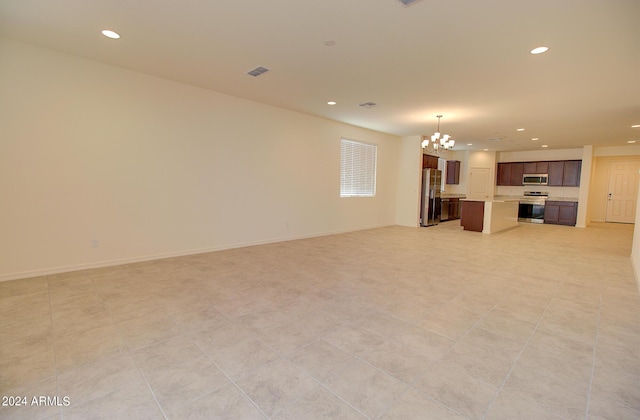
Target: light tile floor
x=539, y=322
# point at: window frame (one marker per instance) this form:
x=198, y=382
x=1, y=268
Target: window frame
x=360, y=166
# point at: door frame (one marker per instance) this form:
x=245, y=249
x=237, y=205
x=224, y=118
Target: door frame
x=608, y=191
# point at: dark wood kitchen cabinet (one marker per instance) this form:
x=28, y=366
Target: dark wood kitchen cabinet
x=453, y=172
x=510, y=173
x=536, y=167
x=429, y=161
x=542, y=168
x=565, y=173
x=561, y=212
x=504, y=174
x=562, y=173
x=454, y=208
x=571, y=177
x=517, y=169
x=472, y=215
x=556, y=173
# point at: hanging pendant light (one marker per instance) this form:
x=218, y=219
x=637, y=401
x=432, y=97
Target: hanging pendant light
x=438, y=141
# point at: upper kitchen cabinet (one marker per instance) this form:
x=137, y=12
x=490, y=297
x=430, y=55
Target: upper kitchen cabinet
x=542, y=168
x=517, y=169
x=429, y=161
x=571, y=177
x=565, y=173
x=536, y=167
x=504, y=174
x=556, y=173
x=561, y=173
x=510, y=174
x=453, y=172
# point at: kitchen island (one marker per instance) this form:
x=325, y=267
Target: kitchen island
x=489, y=216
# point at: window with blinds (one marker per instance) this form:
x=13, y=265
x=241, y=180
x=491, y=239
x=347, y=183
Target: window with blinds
x=357, y=169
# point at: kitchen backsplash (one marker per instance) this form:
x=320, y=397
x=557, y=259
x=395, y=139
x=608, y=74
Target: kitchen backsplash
x=553, y=191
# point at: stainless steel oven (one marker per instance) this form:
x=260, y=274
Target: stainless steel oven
x=531, y=207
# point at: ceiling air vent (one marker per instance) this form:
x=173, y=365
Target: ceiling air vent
x=408, y=2
x=257, y=71
x=368, y=105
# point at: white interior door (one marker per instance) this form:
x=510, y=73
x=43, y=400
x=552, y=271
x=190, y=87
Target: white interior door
x=480, y=183
x=623, y=191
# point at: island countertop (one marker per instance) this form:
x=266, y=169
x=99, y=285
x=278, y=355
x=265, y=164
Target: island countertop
x=489, y=215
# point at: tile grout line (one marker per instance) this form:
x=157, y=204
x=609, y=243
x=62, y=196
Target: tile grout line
x=418, y=378
x=284, y=358
x=524, y=346
x=153, y=394
x=53, y=345
x=321, y=385
x=231, y=381
x=593, y=361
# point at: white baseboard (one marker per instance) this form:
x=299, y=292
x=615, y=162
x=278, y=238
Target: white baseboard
x=122, y=261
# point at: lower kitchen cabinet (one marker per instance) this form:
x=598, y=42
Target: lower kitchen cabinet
x=472, y=217
x=449, y=209
x=560, y=212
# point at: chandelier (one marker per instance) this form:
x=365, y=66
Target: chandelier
x=438, y=142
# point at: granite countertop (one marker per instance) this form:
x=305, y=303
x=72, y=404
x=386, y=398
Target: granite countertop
x=507, y=197
x=569, y=199
x=519, y=197
x=496, y=199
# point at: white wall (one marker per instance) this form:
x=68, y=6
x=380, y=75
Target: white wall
x=149, y=168
x=540, y=155
x=629, y=150
x=409, y=180
x=635, y=248
x=586, y=172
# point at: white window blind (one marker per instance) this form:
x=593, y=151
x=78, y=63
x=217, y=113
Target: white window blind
x=357, y=169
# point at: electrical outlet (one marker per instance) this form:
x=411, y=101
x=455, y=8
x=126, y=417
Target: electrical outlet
x=94, y=243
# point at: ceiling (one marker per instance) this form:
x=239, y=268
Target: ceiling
x=467, y=60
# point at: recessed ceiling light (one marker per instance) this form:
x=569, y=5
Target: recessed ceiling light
x=545, y=145
x=535, y=139
x=520, y=129
x=539, y=50
x=110, y=34
x=631, y=141
x=331, y=103
x=469, y=144
x=635, y=126
x=330, y=43
x=486, y=150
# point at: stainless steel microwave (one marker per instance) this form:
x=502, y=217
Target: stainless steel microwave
x=535, y=179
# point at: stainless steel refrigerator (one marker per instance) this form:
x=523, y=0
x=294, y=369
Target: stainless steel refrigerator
x=430, y=202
